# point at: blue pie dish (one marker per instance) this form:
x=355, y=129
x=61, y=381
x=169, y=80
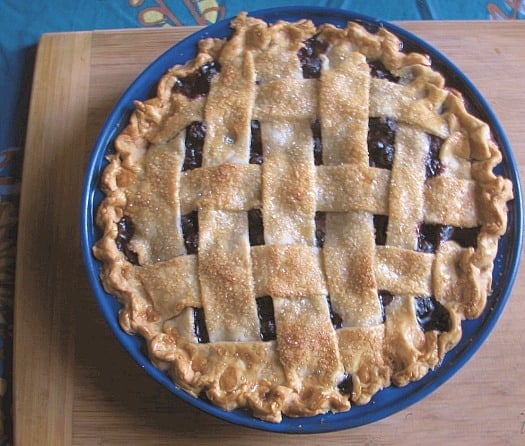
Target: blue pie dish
x=387, y=401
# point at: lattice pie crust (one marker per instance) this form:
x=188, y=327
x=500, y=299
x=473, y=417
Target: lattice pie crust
x=300, y=218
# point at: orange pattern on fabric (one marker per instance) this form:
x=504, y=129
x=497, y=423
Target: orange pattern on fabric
x=516, y=7
x=203, y=12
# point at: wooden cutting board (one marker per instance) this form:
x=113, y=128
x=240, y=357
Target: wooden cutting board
x=74, y=384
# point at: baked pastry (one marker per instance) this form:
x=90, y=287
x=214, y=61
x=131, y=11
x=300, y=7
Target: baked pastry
x=301, y=217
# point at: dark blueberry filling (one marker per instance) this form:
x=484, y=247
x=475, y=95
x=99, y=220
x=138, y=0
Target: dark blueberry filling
x=379, y=71
x=433, y=164
x=256, y=150
x=385, y=297
x=346, y=385
x=320, y=229
x=381, y=139
x=194, y=142
x=266, y=318
x=318, y=144
x=430, y=236
x=335, y=318
x=255, y=227
x=465, y=237
x=380, y=226
x=190, y=231
x=431, y=315
x=201, y=332
x=126, y=229
x=203, y=396
x=198, y=83
x=309, y=57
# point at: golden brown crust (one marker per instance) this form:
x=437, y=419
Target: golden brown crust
x=298, y=373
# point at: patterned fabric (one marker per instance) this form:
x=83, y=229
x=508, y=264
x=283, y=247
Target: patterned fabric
x=26, y=21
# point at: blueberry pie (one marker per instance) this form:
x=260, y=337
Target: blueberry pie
x=301, y=217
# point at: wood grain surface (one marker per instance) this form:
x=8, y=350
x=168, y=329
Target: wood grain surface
x=73, y=382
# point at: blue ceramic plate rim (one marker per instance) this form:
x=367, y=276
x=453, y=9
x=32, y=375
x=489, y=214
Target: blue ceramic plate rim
x=387, y=401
